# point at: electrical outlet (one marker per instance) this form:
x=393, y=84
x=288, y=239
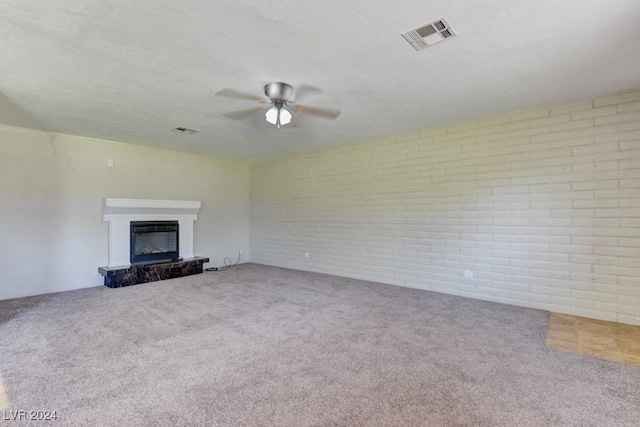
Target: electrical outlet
x=468, y=274
x=307, y=255
x=241, y=253
x=110, y=163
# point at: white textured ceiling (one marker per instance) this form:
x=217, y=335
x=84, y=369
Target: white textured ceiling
x=130, y=71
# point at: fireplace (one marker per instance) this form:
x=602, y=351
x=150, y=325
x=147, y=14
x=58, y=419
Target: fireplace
x=154, y=241
x=119, y=213
x=154, y=235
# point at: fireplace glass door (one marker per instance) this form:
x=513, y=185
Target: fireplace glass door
x=154, y=241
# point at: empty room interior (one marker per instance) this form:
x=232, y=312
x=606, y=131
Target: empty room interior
x=278, y=213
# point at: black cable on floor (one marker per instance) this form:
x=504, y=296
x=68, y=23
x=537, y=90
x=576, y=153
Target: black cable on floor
x=227, y=264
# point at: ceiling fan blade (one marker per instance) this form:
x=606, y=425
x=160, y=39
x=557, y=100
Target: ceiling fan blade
x=304, y=90
x=320, y=112
x=243, y=114
x=230, y=93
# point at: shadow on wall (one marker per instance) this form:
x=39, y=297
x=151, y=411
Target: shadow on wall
x=38, y=188
x=37, y=238
x=12, y=114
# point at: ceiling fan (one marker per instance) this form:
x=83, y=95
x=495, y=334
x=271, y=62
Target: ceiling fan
x=280, y=104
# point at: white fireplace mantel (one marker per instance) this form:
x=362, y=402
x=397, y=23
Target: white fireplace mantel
x=120, y=212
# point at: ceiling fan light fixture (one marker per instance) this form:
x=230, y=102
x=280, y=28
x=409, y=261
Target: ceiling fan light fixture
x=272, y=115
x=278, y=115
x=282, y=106
x=285, y=116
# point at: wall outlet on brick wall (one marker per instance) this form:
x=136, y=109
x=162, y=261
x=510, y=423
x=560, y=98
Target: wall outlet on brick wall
x=468, y=274
x=307, y=255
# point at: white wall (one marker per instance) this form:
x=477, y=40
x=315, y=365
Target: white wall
x=542, y=205
x=52, y=237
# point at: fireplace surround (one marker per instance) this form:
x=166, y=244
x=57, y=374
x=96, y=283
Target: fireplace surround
x=119, y=213
x=164, y=254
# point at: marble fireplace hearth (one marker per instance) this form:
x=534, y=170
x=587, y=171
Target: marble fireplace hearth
x=118, y=277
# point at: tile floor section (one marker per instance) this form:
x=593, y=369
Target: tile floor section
x=3, y=397
x=598, y=338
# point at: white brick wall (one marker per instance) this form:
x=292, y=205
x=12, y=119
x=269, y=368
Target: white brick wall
x=542, y=205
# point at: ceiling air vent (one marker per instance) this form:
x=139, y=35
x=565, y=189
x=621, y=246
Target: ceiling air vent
x=429, y=34
x=184, y=130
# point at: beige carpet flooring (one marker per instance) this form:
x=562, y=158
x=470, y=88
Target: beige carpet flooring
x=264, y=346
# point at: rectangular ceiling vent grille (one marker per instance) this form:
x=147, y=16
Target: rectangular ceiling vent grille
x=429, y=34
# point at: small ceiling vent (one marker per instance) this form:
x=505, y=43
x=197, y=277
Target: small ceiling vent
x=184, y=130
x=429, y=34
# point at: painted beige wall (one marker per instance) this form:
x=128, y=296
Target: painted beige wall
x=543, y=206
x=52, y=237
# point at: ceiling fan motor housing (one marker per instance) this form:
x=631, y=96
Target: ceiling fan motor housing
x=278, y=91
